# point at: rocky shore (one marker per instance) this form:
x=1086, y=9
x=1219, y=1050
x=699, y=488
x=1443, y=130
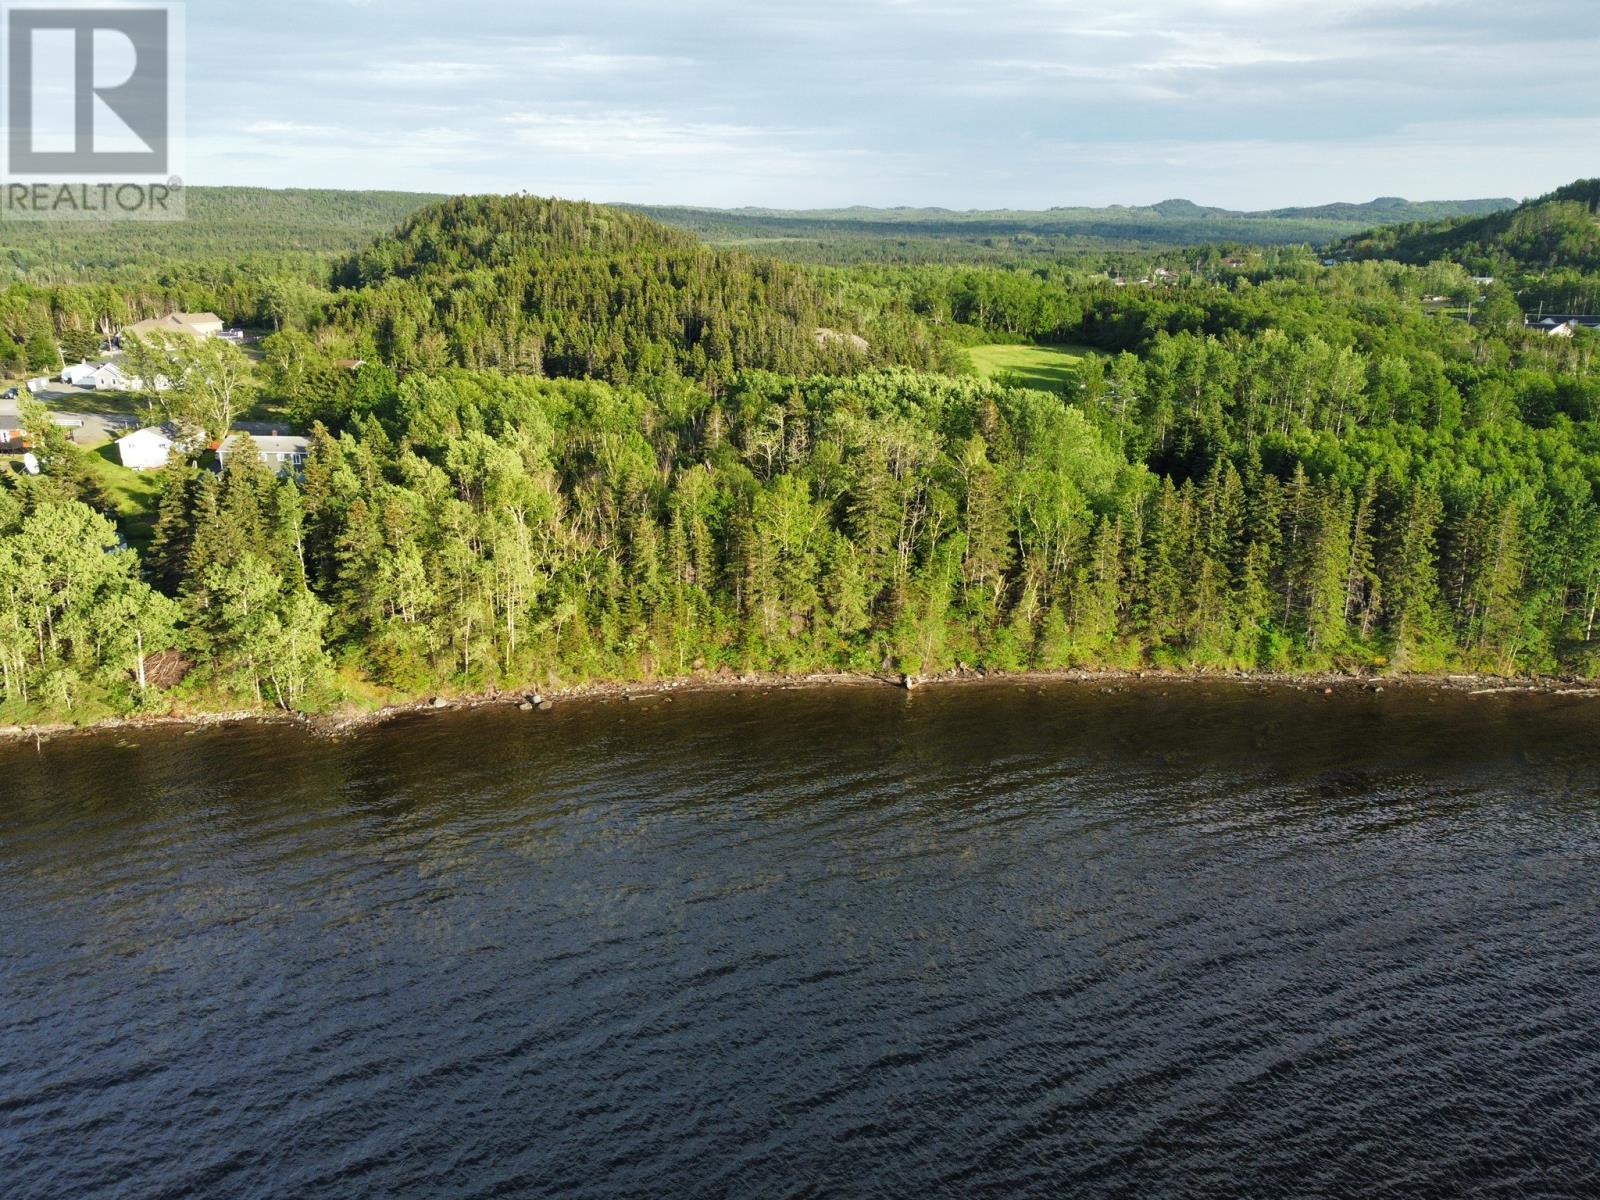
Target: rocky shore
x=538, y=702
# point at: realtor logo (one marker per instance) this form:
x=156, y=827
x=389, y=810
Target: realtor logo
x=92, y=92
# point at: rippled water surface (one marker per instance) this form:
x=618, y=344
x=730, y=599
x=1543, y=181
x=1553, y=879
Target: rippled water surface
x=997, y=940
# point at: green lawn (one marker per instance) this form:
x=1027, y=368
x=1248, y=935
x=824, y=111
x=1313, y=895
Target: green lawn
x=134, y=494
x=1048, y=368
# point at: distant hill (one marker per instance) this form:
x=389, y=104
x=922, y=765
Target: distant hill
x=234, y=226
x=1174, y=222
x=1559, y=230
x=1387, y=210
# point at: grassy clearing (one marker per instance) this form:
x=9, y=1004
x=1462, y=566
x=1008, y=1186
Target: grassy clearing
x=1048, y=368
x=134, y=494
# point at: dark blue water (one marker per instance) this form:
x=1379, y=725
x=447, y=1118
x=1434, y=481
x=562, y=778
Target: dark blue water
x=985, y=941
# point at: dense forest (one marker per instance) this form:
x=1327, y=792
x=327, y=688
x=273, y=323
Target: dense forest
x=222, y=227
x=1269, y=464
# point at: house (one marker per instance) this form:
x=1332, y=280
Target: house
x=102, y=377
x=145, y=449
x=109, y=377
x=195, y=325
x=285, y=455
x=1564, y=325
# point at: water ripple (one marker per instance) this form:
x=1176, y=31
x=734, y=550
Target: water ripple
x=1000, y=941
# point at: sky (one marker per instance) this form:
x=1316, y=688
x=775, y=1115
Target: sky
x=956, y=103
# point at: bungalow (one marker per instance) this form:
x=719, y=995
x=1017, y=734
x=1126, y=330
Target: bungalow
x=285, y=455
x=195, y=325
x=101, y=377
x=109, y=377
x=145, y=449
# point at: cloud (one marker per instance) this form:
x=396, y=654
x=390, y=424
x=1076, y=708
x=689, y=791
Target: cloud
x=953, y=102
x=293, y=129
x=636, y=134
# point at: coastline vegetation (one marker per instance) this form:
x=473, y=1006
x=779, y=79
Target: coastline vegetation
x=553, y=444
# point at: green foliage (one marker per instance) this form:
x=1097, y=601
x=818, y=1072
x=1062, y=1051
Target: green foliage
x=581, y=445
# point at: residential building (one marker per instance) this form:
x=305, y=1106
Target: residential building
x=284, y=454
x=196, y=325
x=145, y=449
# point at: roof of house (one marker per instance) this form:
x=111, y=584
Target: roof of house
x=150, y=433
x=268, y=443
x=193, y=324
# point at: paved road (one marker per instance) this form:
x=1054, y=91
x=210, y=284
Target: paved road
x=75, y=404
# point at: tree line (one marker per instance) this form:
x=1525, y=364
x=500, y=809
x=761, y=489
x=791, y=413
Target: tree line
x=480, y=531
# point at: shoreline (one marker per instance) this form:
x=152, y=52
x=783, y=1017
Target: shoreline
x=536, y=702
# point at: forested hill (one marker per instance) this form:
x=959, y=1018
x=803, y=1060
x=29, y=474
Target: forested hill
x=1557, y=231
x=564, y=288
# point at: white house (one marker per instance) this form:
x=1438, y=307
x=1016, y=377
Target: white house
x=285, y=455
x=145, y=449
x=109, y=377
x=102, y=377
